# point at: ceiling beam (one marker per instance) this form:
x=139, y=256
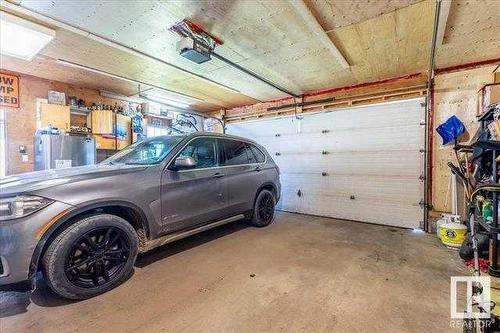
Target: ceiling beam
x=311, y=22
x=443, y=18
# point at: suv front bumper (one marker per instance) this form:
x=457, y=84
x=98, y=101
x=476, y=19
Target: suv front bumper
x=18, y=239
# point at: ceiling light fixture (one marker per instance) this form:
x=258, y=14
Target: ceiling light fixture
x=109, y=94
x=154, y=93
x=164, y=101
x=21, y=38
x=123, y=78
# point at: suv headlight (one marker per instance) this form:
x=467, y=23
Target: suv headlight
x=20, y=206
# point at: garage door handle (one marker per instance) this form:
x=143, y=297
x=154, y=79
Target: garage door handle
x=219, y=175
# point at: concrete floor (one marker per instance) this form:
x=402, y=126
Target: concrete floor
x=302, y=273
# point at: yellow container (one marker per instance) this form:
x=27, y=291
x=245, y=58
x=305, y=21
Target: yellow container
x=453, y=234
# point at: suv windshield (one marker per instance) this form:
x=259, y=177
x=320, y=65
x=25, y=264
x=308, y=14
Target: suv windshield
x=146, y=152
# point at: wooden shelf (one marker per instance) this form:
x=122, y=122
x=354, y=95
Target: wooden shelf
x=82, y=111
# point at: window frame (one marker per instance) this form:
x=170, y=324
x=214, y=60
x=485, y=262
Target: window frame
x=251, y=145
x=247, y=149
x=170, y=164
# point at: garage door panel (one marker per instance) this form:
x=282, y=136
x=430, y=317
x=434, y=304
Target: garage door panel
x=289, y=203
x=384, y=213
x=267, y=129
x=361, y=163
x=342, y=144
x=366, y=117
x=353, y=163
x=372, y=188
x=378, y=139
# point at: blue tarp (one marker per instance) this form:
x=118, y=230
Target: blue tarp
x=451, y=129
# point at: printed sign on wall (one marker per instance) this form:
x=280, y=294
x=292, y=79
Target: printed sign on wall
x=9, y=90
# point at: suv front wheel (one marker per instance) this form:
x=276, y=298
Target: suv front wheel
x=263, y=211
x=91, y=256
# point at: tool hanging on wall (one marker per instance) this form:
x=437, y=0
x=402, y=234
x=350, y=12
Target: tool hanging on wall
x=185, y=121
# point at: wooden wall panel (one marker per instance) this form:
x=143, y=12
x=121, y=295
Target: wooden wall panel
x=455, y=94
x=414, y=80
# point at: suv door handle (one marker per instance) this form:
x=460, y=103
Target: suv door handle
x=219, y=175
x=257, y=168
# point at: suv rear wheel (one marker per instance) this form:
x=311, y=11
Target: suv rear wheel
x=91, y=256
x=263, y=211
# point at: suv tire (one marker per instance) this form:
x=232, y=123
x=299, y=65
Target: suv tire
x=91, y=256
x=263, y=210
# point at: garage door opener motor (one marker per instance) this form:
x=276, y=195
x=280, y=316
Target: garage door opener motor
x=196, y=44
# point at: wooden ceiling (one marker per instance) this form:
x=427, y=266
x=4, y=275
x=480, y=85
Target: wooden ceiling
x=472, y=33
x=379, y=39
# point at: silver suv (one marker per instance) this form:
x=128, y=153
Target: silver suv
x=83, y=227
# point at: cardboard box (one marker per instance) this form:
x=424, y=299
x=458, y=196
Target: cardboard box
x=488, y=95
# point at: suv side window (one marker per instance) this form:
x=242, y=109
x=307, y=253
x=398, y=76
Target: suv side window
x=259, y=155
x=251, y=156
x=204, y=152
x=234, y=152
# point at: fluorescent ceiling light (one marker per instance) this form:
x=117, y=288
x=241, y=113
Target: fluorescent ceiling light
x=123, y=78
x=142, y=99
x=162, y=95
x=120, y=97
x=21, y=38
x=165, y=101
x=180, y=104
x=93, y=70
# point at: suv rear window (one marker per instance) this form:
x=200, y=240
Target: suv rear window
x=259, y=155
x=234, y=152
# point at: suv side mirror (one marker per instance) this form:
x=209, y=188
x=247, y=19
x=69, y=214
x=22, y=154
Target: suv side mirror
x=185, y=162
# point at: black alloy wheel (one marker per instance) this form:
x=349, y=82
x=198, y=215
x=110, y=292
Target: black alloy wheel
x=97, y=257
x=266, y=207
x=263, y=211
x=90, y=256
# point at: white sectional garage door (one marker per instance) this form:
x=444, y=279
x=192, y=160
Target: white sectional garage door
x=359, y=163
